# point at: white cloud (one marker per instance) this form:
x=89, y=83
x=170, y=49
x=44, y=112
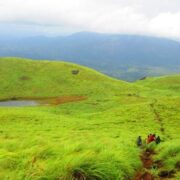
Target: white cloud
x=166, y=24
x=149, y=17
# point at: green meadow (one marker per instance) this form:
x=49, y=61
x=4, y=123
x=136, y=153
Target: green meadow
x=90, y=139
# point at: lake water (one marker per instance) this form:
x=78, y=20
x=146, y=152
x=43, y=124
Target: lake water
x=19, y=103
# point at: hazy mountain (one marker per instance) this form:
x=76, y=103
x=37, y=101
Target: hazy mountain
x=124, y=56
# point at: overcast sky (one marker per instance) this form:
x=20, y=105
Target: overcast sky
x=56, y=17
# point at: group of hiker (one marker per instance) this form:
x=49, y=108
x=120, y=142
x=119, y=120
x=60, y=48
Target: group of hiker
x=150, y=138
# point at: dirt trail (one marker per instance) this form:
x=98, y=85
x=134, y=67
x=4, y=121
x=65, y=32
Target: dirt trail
x=147, y=161
x=147, y=155
x=157, y=116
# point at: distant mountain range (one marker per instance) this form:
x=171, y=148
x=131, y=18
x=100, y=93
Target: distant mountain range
x=127, y=57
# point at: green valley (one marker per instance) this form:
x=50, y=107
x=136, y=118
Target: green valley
x=89, y=130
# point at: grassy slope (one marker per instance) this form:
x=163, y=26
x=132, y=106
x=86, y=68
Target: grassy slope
x=165, y=92
x=28, y=78
x=168, y=84
x=93, y=138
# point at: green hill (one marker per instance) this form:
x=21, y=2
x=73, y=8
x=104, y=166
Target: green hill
x=171, y=83
x=92, y=139
x=27, y=78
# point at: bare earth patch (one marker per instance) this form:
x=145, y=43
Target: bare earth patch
x=147, y=161
x=66, y=99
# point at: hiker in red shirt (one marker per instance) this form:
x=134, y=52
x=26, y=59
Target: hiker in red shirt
x=151, y=138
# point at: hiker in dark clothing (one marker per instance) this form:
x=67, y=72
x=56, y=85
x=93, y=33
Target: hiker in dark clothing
x=139, y=141
x=158, y=140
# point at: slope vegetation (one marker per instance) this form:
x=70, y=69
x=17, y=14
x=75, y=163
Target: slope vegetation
x=93, y=139
x=171, y=83
x=20, y=78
